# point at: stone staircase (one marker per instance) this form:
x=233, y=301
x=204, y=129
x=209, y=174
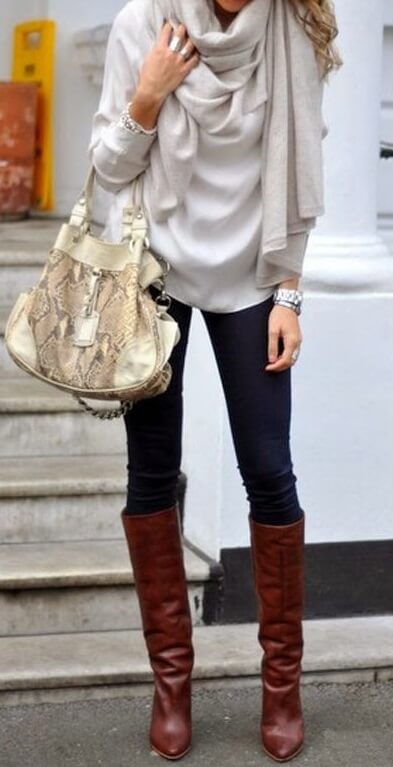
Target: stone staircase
x=64, y=565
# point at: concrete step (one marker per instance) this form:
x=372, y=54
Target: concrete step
x=32, y=235
x=37, y=419
x=106, y=664
x=48, y=588
x=61, y=498
x=17, y=278
x=24, y=246
x=8, y=368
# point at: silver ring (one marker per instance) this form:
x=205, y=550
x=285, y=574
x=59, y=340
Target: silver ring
x=185, y=53
x=295, y=355
x=175, y=44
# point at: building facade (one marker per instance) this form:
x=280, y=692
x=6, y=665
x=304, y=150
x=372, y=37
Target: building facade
x=342, y=422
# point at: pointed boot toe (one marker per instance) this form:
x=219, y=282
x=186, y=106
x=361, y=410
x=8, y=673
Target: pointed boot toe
x=170, y=730
x=283, y=741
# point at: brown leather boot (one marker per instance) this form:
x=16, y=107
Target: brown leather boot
x=278, y=567
x=155, y=546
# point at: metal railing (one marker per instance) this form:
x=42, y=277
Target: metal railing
x=386, y=150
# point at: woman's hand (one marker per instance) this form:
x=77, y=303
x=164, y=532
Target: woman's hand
x=162, y=72
x=284, y=329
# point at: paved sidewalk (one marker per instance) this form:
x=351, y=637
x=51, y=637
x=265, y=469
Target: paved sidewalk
x=347, y=726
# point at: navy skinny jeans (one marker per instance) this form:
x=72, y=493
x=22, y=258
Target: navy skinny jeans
x=258, y=404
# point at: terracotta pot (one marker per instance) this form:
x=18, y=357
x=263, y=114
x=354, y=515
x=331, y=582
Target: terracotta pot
x=18, y=115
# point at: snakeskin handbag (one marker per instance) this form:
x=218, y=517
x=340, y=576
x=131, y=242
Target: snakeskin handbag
x=91, y=325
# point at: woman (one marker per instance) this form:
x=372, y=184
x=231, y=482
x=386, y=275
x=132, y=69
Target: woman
x=219, y=102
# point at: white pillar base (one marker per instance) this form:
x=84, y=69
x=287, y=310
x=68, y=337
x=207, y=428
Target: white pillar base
x=348, y=264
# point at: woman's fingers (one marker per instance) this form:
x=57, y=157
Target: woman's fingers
x=286, y=327
x=168, y=31
x=180, y=32
x=165, y=67
x=192, y=63
x=187, y=55
x=187, y=49
x=285, y=358
x=273, y=345
x=166, y=34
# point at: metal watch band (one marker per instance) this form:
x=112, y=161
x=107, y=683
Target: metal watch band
x=289, y=305
x=289, y=297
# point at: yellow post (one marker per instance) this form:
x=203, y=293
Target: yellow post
x=33, y=61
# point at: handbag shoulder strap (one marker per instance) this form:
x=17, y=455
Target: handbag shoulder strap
x=81, y=214
x=135, y=211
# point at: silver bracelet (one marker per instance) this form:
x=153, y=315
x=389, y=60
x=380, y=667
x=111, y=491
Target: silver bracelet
x=132, y=125
x=289, y=297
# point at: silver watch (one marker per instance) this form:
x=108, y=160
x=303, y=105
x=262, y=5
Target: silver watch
x=289, y=297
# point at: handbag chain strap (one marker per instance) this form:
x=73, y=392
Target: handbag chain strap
x=105, y=414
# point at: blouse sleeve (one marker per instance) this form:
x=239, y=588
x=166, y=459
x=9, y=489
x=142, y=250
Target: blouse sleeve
x=274, y=274
x=118, y=154
x=294, y=255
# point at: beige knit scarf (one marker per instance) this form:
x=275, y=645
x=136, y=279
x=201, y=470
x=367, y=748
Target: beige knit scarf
x=264, y=55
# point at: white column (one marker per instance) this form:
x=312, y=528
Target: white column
x=385, y=201
x=342, y=422
x=345, y=250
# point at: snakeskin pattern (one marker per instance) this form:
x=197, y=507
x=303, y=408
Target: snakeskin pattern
x=126, y=313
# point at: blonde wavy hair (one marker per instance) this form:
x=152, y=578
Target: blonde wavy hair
x=319, y=20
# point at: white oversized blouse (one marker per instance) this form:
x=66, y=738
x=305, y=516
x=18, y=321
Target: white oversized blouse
x=211, y=240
